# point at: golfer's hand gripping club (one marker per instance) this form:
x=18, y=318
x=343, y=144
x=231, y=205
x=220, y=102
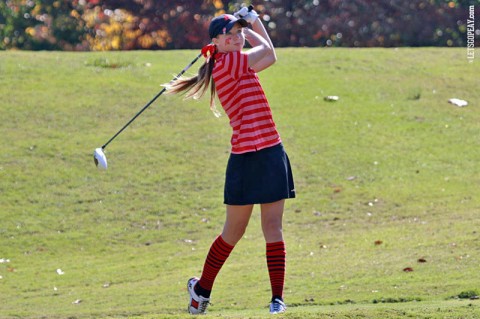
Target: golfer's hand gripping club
x=247, y=14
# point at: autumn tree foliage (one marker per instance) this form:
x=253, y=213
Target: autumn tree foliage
x=41, y=25
x=181, y=24
x=364, y=23
x=168, y=24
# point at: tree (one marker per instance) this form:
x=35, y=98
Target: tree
x=182, y=24
x=363, y=23
x=167, y=24
x=41, y=25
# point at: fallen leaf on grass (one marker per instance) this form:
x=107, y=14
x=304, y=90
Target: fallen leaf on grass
x=458, y=102
x=331, y=98
x=371, y=203
x=470, y=294
x=337, y=190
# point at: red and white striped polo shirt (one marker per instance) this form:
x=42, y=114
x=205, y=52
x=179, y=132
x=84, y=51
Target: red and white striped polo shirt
x=245, y=103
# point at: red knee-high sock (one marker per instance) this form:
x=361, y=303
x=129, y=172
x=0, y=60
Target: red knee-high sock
x=276, y=262
x=219, y=252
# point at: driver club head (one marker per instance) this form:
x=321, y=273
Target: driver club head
x=99, y=158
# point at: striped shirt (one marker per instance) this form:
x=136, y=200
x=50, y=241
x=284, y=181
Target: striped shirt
x=245, y=103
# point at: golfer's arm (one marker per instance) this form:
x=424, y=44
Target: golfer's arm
x=260, y=49
x=267, y=59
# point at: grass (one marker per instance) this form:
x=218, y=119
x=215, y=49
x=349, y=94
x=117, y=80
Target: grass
x=386, y=179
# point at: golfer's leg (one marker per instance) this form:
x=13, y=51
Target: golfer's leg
x=272, y=215
x=235, y=225
x=236, y=222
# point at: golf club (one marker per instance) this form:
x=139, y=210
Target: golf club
x=99, y=155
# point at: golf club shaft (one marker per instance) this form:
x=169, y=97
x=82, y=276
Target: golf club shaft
x=151, y=101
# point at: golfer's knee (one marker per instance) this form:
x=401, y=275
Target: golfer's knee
x=232, y=235
x=272, y=230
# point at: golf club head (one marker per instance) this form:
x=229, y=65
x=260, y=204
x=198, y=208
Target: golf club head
x=99, y=158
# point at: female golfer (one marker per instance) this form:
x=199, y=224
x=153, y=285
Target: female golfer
x=258, y=170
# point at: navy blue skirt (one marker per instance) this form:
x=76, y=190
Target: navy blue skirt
x=259, y=177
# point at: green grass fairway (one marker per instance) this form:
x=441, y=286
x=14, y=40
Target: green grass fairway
x=387, y=180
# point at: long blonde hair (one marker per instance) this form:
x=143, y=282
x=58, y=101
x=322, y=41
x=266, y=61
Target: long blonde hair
x=197, y=85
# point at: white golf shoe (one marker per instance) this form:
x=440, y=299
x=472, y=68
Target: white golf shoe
x=198, y=304
x=277, y=306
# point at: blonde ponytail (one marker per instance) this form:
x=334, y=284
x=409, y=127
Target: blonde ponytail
x=197, y=85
